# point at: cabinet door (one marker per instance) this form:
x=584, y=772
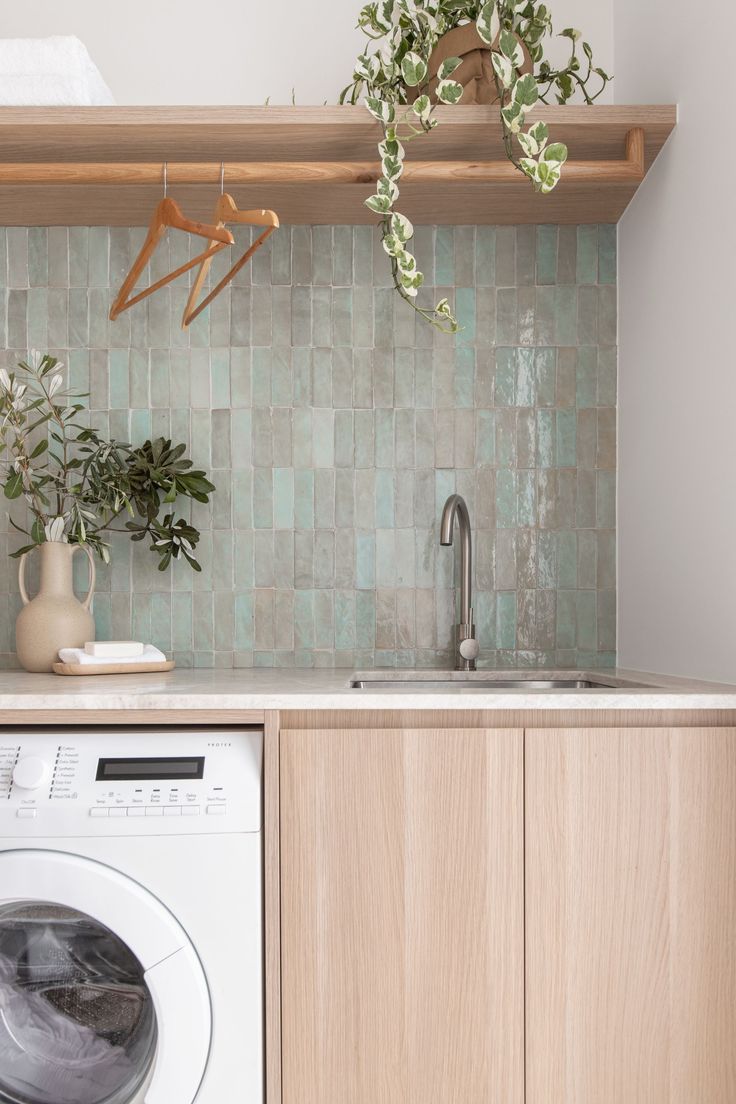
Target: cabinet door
x=631, y=916
x=402, y=917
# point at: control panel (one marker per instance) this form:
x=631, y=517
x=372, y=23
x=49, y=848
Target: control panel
x=129, y=782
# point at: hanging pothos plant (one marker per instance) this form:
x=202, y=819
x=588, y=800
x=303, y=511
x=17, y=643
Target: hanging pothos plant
x=394, y=76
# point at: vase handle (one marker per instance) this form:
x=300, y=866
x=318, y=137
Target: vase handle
x=22, y=578
x=86, y=602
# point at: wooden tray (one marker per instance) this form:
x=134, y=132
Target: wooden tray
x=112, y=668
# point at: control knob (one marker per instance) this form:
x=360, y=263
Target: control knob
x=469, y=648
x=30, y=773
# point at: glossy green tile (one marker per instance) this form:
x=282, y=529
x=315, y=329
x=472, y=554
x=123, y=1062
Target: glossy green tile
x=335, y=425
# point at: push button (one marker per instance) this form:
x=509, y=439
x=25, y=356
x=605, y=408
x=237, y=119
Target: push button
x=99, y=811
x=136, y=810
x=172, y=810
x=190, y=810
x=118, y=811
x=26, y=814
x=154, y=810
x=216, y=810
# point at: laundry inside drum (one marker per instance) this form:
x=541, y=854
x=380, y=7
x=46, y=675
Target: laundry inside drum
x=77, y=1022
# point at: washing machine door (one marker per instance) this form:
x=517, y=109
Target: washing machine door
x=103, y=999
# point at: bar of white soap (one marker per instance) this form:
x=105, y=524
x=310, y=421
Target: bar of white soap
x=113, y=649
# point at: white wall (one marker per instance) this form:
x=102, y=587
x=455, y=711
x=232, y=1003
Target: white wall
x=677, y=436
x=234, y=51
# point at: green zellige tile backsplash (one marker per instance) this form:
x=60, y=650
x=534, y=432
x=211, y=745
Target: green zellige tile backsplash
x=335, y=425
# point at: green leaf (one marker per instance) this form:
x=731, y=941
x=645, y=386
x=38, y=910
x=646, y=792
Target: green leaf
x=406, y=261
x=39, y=449
x=21, y=551
x=401, y=228
x=391, y=148
x=448, y=66
x=511, y=48
x=381, y=204
x=449, y=91
x=540, y=134
x=379, y=109
x=513, y=117
x=488, y=23
x=386, y=187
x=526, y=92
x=503, y=68
x=14, y=485
x=527, y=142
x=571, y=33
x=556, y=152
x=392, y=168
x=413, y=69
x=565, y=86
x=422, y=107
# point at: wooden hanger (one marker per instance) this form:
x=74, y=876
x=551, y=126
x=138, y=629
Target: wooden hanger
x=227, y=211
x=167, y=214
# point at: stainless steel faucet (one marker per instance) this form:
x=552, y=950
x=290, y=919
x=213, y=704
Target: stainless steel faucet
x=466, y=646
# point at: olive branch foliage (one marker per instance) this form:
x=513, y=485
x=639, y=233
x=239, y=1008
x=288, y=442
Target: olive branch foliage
x=78, y=486
x=403, y=34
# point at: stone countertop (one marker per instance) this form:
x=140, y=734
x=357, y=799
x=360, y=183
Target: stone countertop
x=269, y=688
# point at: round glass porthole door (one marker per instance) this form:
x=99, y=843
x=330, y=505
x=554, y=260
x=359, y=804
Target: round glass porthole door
x=77, y=1022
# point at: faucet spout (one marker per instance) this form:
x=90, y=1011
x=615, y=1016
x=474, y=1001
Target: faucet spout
x=466, y=646
x=455, y=507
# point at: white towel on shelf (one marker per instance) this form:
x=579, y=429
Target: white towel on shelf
x=78, y=655
x=50, y=72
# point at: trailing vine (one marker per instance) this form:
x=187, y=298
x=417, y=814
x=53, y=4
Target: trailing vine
x=395, y=68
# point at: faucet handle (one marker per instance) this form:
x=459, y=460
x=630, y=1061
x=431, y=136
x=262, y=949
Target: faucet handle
x=469, y=648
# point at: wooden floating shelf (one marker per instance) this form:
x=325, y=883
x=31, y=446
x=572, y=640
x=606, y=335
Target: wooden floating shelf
x=104, y=166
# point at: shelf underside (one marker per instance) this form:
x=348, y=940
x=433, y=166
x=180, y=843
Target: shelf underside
x=471, y=134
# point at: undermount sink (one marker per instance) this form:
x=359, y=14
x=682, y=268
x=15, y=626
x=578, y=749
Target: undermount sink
x=462, y=681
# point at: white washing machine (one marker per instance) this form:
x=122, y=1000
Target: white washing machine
x=131, y=948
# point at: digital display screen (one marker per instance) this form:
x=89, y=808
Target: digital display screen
x=145, y=770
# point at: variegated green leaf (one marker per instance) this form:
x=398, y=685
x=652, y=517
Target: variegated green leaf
x=392, y=245
x=413, y=69
x=392, y=169
x=556, y=152
x=386, y=187
x=391, y=147
x=448, y=66
x=422, y=107
x=406, y=261
x=449, y=91
x=488, y=23
x=381, y=204
x=383, y=15
x=511, y=48
x=528, y=143
x=513, y=116
x=380, y=109
x=526, y=92
x=504, y=69
x=540, y=134
x=401, y=227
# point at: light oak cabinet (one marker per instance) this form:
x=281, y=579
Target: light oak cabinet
x=402, y=916
x=513, y=915
x=631, y=916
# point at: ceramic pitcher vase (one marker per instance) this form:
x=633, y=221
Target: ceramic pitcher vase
x=55, y=618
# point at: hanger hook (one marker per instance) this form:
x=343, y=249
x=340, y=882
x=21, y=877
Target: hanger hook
x=222, y=178
x=166, y=178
